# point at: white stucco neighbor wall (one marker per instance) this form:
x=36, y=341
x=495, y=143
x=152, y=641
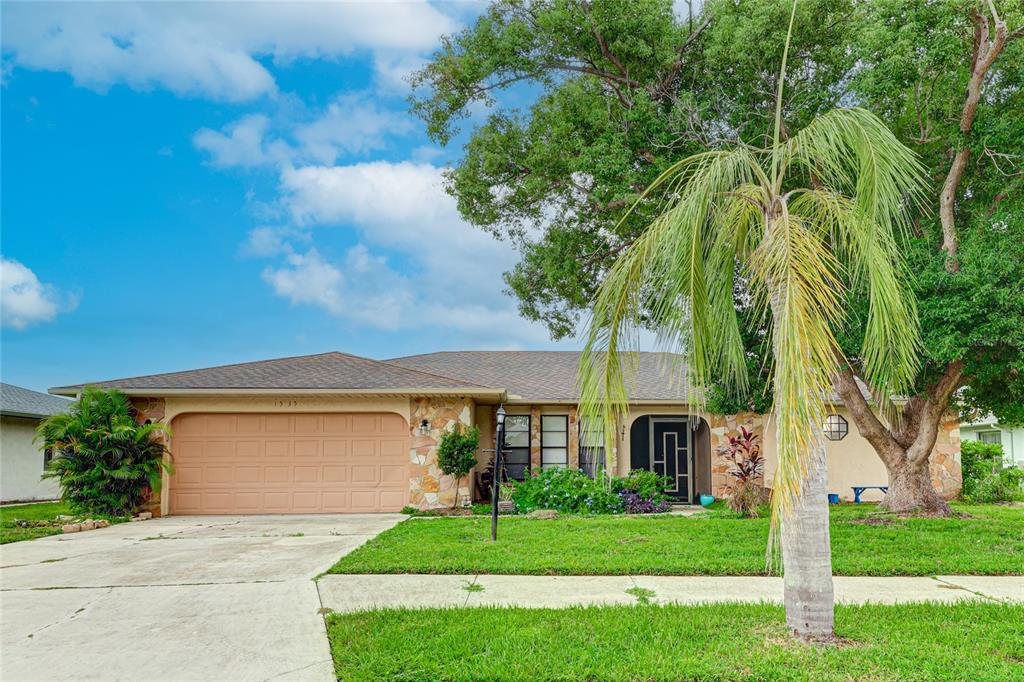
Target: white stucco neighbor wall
x=1012, y=439
x=21, y=463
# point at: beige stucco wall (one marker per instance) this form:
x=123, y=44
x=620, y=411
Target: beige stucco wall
x=21, y=463
x=852, y=461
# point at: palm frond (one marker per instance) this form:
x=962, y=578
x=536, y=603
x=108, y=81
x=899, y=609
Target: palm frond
x=850, y=151
x=800, y=284
x=666, y=269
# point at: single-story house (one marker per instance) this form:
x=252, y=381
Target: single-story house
x=21, y=460
x=339, y=433
x=988, y=429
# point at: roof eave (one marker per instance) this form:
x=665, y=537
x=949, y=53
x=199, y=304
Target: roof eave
x=23, y=415
x=73, y=391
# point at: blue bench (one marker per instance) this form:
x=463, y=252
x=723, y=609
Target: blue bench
x=858, y=489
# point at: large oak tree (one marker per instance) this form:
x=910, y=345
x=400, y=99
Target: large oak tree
x=588, y=102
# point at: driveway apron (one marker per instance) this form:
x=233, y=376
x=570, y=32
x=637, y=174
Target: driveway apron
x=179, y=598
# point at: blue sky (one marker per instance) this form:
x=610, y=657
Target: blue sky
x=192, y=184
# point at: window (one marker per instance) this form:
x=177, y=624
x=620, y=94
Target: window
x=516, y=451
x=836, y=427
x=554, y=441
x=591, y=448
x=47, y=457
x=993, y=437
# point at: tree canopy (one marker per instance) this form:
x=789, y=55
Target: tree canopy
x=617, y=91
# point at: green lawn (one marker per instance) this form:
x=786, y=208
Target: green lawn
x=9, y=532
x=989, y=543
x=970, y=642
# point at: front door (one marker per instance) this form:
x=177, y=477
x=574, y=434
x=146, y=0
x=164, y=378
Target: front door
x=670, y=454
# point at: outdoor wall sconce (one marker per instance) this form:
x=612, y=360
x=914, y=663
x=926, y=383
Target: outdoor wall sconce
x=424, y=427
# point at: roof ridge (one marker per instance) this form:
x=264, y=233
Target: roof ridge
x=395, y=365
x=202, y=369
x=389, y=365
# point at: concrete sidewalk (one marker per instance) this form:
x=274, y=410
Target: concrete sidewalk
x=359, y=592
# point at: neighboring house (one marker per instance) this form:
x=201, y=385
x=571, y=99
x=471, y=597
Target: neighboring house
x=21, y=460
x=340, y=433
x=988, y=430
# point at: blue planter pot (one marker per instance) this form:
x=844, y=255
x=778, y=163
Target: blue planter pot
x=833, y=498
x=706, y=500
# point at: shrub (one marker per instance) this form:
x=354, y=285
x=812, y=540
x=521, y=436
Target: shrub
x=105, y=461
x=569, y=491
x=646, y=484
x=985, y=477
x=635, y=503
x=747, y=493
x=456, y=454
x=573, y=492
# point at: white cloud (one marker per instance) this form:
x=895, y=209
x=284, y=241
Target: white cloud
x=25, y=300
x=267, y=241
x=450, y=277
x=401, y=206
x=363, y=289
x=351, y=124
x=243, y=143
x=206, y=48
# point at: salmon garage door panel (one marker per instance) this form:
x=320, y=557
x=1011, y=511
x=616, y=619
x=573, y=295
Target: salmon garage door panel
x=289, y=463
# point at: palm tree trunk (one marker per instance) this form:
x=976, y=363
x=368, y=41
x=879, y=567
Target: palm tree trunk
x=807, y=557
x=808, y=593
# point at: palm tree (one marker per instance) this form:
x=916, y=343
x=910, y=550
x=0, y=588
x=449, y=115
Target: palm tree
x=798, y=225
x=106, y=462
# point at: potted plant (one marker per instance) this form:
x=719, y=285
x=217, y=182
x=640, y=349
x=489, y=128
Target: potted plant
x=505, y=503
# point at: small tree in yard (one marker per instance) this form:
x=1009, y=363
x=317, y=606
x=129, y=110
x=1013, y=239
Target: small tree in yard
x=747, y=466
x=105, y=461
x=456, y=454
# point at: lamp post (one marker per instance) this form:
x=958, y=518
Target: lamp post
x=499, y=439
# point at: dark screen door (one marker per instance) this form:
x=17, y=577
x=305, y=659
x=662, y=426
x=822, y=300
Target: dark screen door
x=670, y=454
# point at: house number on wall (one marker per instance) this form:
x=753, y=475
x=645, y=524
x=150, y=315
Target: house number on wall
x=286, y=403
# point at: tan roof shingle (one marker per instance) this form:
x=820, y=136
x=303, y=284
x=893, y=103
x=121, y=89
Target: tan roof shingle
x=327, y=371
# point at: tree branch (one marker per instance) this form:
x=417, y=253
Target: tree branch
x=868, y=423
x=678, y=64
x=936, y=405
x=982, y=57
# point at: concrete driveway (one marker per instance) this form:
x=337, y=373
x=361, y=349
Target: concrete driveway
x=179, y=598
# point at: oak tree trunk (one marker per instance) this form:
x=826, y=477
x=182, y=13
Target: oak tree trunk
x=911, y=491
x=905, y=447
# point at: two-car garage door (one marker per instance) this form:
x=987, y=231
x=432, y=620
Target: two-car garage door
x=289, y=463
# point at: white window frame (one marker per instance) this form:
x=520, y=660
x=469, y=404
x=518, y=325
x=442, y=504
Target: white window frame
x=989, y=434
x=554, y=454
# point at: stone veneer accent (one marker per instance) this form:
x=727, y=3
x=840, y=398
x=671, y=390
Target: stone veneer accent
x=944, y=463
x=428, y=487
x=574, y=438
x=535, y=438
x=154, y=410
x=722, y=428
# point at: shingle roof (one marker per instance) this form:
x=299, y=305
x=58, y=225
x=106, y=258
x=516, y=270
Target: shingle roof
x=548, y=375
x=16, y=401
x=327, y=371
